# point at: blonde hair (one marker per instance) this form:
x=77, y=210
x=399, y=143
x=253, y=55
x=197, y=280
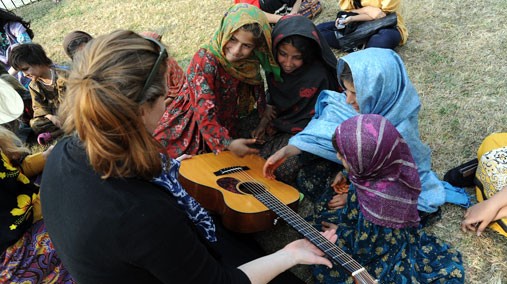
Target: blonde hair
x=104, y=95
x=11, y=145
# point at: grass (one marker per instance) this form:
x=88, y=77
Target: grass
x=455, y=56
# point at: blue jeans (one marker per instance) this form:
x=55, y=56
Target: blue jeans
x=384, y=38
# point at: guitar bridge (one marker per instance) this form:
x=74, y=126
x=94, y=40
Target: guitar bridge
x=230, y=170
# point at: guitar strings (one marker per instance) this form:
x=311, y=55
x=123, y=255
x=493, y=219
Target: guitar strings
x=257, y=189
x=350, y=264
x=359, y=272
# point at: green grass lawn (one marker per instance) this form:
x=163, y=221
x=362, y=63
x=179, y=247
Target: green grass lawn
x=456, y=56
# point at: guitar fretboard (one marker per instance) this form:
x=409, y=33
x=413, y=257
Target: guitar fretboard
x=312, y=234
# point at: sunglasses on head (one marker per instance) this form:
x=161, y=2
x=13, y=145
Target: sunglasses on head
x=162, y=56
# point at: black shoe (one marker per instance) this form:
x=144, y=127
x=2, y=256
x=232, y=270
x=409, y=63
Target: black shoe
x=462, y=175
x=428, y=219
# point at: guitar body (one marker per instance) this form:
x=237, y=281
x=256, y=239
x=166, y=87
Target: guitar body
x=224, y=194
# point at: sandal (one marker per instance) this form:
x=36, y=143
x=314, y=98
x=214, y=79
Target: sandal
x=44, y=138
x=462, y=175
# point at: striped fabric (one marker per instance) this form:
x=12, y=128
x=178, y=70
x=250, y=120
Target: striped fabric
x=382, y=170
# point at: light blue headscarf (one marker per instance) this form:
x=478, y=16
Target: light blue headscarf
x=382, y=87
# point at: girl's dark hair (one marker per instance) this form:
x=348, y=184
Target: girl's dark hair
x=256, y=30
x=306, y=46
x=345, y=75
x=28, y=53
x=8, y=16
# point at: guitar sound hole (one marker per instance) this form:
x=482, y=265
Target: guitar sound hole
x=229, y=184
x=250, y=187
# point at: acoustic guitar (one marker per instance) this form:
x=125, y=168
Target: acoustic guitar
x=236, y=189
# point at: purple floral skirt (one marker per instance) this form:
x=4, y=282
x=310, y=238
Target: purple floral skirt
x=32, y=259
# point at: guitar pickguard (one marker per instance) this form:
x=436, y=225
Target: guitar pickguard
x=236, y=186
x=229, y=184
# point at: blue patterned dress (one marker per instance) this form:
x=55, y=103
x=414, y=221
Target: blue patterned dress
x=407, y=255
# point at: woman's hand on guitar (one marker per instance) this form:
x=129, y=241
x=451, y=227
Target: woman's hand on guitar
x=240, y=147
x=304, y=252
x=275, y=160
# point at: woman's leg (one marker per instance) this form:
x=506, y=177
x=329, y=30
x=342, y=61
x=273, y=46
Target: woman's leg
x=385, y=38
x=328, y=30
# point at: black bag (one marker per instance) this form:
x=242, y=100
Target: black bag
x=355, y=35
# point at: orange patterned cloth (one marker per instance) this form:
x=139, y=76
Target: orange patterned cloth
x=175, y=78
x=175, y=75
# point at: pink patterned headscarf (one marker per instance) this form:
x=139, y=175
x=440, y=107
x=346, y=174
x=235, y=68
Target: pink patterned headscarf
x=381, y=169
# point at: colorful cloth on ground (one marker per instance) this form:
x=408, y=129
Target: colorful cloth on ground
x=32, y=260
x=382, y=87
x=382, y=170
x=407, y=255
x=168, y=179
x=389, y=6
x=247, y=70
x=491, y=174
x=295, y=97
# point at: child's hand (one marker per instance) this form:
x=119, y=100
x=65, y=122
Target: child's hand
x=54, y=119
x=46, y=153
x=183, y=157
x=240, y=147
x=339, y=184
x=478, y=217
x=338, y=201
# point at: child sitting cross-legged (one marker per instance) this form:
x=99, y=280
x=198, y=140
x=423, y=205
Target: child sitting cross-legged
x=379, y=225
x=46, y=88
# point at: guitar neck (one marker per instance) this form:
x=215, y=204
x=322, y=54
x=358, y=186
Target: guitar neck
x=314, y=236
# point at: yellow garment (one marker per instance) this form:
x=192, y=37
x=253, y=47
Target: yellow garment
x=33, y=164
x=492, y=172
x=387, y=6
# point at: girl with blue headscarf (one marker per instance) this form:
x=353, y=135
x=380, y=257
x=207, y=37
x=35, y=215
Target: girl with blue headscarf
x=376, y=82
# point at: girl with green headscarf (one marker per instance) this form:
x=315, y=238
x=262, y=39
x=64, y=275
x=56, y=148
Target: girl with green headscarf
x=223, y=85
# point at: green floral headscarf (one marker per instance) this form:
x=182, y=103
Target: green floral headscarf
x=246, y=70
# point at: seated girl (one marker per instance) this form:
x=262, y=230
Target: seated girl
x=175, y=75
x=46, y=88
x=369, y=10
x=27, y=254
x=223, y=86
x=491, y=180
x=375, y=82
x=378, y=226
x=308, y=67
x=112, y=201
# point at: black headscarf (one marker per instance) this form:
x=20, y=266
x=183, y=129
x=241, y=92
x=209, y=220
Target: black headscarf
x=295, y=97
